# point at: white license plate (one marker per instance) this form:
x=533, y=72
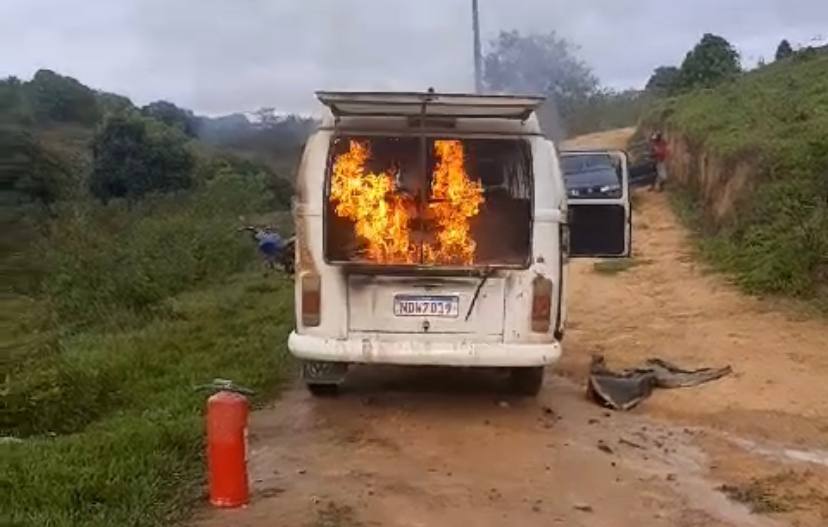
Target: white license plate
x=426, y=306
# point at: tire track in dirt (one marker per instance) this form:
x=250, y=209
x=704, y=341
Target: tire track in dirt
x=433, y=447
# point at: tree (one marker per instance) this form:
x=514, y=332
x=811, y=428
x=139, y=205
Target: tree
x=113, y=103
x=542, y=64
x=664, y=79
x=784, y=50
x=134, y=155
x=14, y=104
x=539, y=64
x=712, y=60
x=58, y=98
x=171, y=115
x=30, y=170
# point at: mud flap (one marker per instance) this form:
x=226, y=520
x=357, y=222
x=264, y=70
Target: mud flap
x=624, y=390
x=320, y=372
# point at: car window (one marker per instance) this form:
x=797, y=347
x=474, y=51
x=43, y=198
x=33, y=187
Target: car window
x=584, y=162
x=591, y=176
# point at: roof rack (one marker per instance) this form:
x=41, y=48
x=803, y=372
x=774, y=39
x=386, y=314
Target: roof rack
x=430, y=104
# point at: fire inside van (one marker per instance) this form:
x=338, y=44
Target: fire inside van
x=434, y=202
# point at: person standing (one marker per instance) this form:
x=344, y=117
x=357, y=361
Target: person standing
x=660, y=153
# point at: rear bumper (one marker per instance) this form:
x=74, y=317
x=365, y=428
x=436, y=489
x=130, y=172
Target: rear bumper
x=371, y=350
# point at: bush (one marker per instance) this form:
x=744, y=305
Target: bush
x=134, y=156
x=132, y=256
x=173, y=116
x=31, y=170
x=14, y=104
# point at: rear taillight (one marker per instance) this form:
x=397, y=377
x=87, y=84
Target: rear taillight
x=541, y=304
x=311, y=299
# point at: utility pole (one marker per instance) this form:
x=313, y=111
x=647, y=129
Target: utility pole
x=478, y=80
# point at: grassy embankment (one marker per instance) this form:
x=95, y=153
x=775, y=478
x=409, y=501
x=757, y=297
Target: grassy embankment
x=115, y=313
x=774, y=120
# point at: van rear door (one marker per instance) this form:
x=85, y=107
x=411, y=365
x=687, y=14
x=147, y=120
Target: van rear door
x=598, y=198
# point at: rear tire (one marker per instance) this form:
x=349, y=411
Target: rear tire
x=323, y=390
x=527, y=381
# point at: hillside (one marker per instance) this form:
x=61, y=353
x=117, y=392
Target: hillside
x=751, y=157
x=48, y=125
x=128, y=282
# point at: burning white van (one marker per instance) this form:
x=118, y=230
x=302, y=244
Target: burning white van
x=434, y=229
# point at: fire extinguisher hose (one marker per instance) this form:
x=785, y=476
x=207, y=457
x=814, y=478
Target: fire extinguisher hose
x=224, y=385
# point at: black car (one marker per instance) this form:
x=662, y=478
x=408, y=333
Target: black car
x=591, y=176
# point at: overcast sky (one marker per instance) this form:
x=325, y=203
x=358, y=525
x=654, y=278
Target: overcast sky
x=220, y=56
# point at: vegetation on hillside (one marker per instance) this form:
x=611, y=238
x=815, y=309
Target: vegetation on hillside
x=776, y=119
x=784, y=50
x=60, y=139
x=129, y=285
x=712, y=60
x=135, y=155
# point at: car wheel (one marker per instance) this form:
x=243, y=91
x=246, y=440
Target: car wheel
x=527, y=381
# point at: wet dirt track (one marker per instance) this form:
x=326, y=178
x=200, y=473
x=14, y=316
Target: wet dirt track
x=423, y=447
x=408, y=448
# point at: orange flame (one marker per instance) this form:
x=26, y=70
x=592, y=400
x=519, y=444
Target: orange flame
x=455, y=199
x=380, y=217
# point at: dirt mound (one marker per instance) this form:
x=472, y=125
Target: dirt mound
x=611, y=140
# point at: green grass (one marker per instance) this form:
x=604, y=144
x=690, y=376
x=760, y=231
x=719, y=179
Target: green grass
x=758, y=271
x=110, y=424
x=115, y=313
x=775, y=119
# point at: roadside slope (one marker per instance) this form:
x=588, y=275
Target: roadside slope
x=751, y=160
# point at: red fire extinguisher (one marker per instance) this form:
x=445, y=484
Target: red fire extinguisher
x=227, y=412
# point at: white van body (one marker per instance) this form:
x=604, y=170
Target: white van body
x=354, y=314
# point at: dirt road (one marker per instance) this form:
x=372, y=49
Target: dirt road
x=432, y=447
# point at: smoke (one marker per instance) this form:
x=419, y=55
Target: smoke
x=550, y=121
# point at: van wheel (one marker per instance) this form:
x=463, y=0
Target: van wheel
x=323, y=390
x=527, y=381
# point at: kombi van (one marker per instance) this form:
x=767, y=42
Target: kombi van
x=434, y=229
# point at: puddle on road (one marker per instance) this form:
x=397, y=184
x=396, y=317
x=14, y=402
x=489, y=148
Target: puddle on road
x=781, y=453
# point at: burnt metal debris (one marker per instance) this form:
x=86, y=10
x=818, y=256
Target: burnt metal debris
x=626, y=389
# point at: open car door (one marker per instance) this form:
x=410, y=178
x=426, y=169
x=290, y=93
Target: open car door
x=598, y=197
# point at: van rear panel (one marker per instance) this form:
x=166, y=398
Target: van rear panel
x=421, y=305
x=409, y=303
